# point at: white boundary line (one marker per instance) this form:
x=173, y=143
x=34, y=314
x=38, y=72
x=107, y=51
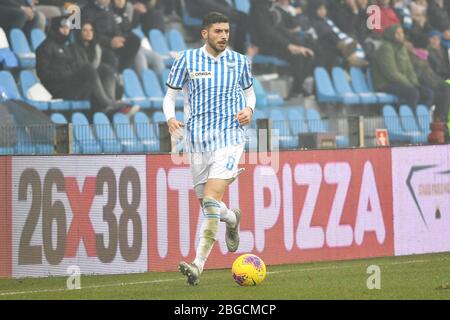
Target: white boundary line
x=122, y=284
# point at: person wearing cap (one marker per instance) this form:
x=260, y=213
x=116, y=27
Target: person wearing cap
x=64, y=79
x=437, y=56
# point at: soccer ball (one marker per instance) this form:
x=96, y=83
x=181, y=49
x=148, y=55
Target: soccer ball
x=248, y=270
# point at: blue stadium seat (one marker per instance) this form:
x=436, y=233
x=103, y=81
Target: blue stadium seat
x=242, y=5
x=423, y=118
x=58, y=118
x=9, y=84
x=409, y=124
x=145, y=132
x=159, y=44
x=267, y=59
x=392, y=122
x=7, y=58
x=28, y=80
x=360, y=86
x=105, y=134
x=85, y=142
x=297, y=121
x=133, y=89
x=139, y=32
x=37, y=36
x=176, y=41
x=21, y=48
x=324, y=87
x=164, y=76
x=126, y=134
x=346, y=92
x=188, y=20
x=6, y=150
x=317, y=124
x=152, y=88
x=24, y=144
x=286, y=139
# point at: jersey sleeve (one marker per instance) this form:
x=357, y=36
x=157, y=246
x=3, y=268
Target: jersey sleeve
x=246, y=79
x=178, y=74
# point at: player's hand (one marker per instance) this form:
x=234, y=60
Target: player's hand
x=175, y=127
x=245, y=116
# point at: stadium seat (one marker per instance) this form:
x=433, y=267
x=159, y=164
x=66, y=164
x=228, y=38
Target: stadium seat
x=297, y=121
x=146, y=132
x=37, y=36
x=152, y=88
x=317, y=124
x=188, y=20
x=85, y=141
x=58, y=118
x=265, y=99
x=6, y=150
x=409, y=124
x=159, y=44
x=9, y=84
x=423, y=118
x=27, y=81
x=279, y=123
x=324, y=87
x=105, y=134
x=7, y=58
x=346, y=92
x=133, y=89
x=164, y=76
x=176, y=41
x=144, y=40
x=392, y=122
x=267, y=59
x=360, y=86
x=21, y=48
x=242, y=5
x=126, y=134
x=24, y=144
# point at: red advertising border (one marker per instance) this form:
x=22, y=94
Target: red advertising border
x=378, y=160
x=5, y=218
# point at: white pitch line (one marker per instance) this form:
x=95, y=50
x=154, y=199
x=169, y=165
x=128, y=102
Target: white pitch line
x=87, y=287
x=178, y=279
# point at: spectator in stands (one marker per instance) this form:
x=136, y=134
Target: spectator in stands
x=437, y=56
x=64, y=80
x=119, y=46
x=20, y=14
x=51, y=8
x=200, y=8
x=150, y=14
x=429, y=78
x=416, y=25
x=388, y=16
x=332, y=40
x=393, y=72
x=86, y=50
x=279, y=41
x=438, y=15
x=145, y=57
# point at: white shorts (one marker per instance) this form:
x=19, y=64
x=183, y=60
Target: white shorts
x=218, y=164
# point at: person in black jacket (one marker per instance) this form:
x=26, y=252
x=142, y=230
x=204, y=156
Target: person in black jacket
x=86, y=50
x=19, y=14
x=65, y=80
x=279, y=41
x=438, y=15
x=119, y=48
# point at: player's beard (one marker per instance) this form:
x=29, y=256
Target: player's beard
x=216, y=47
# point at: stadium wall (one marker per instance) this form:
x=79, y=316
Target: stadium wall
x=121, y=214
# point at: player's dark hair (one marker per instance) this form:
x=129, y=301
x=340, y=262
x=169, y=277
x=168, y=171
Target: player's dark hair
x=214, y=17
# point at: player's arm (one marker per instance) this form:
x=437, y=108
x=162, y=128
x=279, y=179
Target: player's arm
x=245, y=116
x=169, y=110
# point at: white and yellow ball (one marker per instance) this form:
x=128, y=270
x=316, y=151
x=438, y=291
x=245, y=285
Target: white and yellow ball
x=248, y=270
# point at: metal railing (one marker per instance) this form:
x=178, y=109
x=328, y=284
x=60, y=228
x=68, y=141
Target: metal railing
x=151, y=137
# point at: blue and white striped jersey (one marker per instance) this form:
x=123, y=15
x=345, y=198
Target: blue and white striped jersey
x=215, y=94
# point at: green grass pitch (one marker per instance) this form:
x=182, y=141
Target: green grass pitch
x=408, y=277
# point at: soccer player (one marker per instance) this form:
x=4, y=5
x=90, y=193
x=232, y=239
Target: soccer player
x=219, y=97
